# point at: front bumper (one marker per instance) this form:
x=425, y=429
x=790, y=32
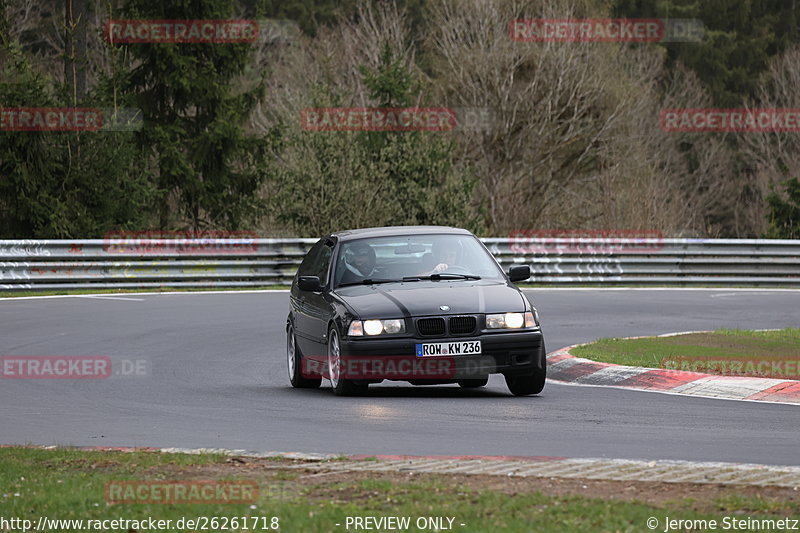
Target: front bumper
x=506, y=352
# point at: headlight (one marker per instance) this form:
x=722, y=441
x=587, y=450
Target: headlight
x=359, y=328
x=511, y=321
x=514, y=320
x=393, y=326
x=373, y=327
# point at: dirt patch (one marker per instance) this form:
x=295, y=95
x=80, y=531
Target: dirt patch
x=319, y=485
x=699, y=497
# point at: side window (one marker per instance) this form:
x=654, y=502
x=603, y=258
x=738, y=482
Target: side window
x=308, y=266
x=317, y=261
x=322, y=263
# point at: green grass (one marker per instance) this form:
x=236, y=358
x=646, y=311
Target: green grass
x=720, y=345
x=72, y=292
x=69, y=484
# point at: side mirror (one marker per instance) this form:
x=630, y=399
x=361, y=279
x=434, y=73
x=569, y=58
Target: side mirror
x=309, y=283
x=519, y=273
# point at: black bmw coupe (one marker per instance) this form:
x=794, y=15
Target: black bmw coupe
x=423, y=304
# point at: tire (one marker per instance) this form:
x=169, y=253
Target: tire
x=340, y=385
x=473, y=383
x=294, y=364
x=526, y=384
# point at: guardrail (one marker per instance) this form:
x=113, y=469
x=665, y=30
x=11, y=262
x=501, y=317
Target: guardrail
x=156, y=263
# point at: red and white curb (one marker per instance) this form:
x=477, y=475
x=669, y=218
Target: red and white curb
x=565, y=367
x=661, y=471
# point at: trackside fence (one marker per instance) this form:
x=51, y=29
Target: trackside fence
x=197, y=263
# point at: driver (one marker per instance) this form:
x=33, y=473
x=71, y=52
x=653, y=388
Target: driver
x=446, y=256
x=360, y=263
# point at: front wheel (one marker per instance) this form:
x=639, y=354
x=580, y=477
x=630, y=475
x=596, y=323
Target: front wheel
x=294, y=363
x=341, y=386
x=525, y=385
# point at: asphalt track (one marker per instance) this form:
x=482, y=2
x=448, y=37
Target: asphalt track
x=215, y=377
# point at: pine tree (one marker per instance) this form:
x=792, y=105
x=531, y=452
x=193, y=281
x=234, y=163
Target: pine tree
x=195, y=99
x=785, y=212
x=741, y=37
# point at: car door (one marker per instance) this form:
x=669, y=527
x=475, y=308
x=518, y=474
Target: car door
x=298, y=300
x=318, y=307
x=309, y=309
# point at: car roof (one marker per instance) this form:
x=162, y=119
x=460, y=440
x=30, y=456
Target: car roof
x=392, y=231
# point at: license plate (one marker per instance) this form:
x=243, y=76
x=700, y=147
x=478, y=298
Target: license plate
x=432, y=349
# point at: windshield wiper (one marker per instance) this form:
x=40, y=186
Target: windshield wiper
x=370, y=281
x=435, y=277
x=449, y=275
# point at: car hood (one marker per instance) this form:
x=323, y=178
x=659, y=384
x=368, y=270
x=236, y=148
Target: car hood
x=422, y=298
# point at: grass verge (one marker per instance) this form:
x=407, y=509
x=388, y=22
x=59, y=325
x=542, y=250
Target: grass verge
x=771, y=354
x=70, y=484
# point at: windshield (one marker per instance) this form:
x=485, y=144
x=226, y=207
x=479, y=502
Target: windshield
x=413, y=258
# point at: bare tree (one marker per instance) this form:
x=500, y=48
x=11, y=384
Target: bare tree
x=774, y=156
x=22, y=16
x=42, y=28
x=575, y=139
x=300, y=65
x=76, y=13
x=552, y=106
x=347, y=185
